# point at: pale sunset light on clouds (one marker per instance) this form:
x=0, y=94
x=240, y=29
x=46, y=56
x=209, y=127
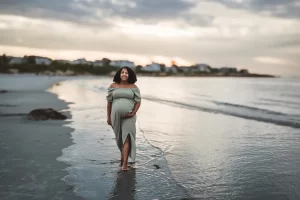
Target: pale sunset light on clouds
x=262, y=36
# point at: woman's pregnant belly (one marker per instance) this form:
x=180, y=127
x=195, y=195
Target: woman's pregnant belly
x=122, y=106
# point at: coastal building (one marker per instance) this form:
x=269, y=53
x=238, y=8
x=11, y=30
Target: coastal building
x=81, y=61
x=173, y=69
x=201, y=68
x=16, y=60
x=122, y=63
x=185, y=69
x=42, y=60
x=153, y=67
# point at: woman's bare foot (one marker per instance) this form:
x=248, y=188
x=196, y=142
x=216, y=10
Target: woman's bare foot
x=125, y=154
x=124, y=168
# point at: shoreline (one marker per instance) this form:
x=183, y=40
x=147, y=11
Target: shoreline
x=94, y=156
x=214, y=76
x=29, y=167
x=44, y=166
x=155, y=74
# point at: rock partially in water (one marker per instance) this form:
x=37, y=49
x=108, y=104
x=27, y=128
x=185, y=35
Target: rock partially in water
x=45, y=114
x=156, y=166
x=3, y=91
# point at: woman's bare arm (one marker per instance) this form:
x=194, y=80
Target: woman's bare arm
x=109, y=105
x=136, y=107
x=108, y=109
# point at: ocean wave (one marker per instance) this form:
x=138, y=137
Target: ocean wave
x=280, y=101
x=226, y=108
x=247, y=107
x=241, y=111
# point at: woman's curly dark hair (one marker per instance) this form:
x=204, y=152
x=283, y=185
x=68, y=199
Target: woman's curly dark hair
x=131, y=75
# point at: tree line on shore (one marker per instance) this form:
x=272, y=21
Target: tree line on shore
x=56, y=67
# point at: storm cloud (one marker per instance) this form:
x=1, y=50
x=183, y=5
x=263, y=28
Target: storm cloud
x=261, y=35
x=98, y=12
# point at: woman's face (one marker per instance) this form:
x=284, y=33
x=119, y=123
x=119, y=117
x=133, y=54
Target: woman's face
x=124, y=75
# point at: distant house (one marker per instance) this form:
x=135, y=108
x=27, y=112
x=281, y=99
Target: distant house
x=201, y=68
x=153, y=67
x=81, y=61
x=185, y=69
x=122, y=63
x=16, y=60
x=228, y=70
x=172, y=69
x=42, y=61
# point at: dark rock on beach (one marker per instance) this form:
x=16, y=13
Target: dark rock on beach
x=45, y=114
x=3, y=91
x=156, y=166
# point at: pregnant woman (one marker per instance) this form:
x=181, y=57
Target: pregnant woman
x=123, y=101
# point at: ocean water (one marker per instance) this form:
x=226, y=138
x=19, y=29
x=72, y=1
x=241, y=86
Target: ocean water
x=212, y=138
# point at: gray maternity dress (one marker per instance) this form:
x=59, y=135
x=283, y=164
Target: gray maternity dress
x=123, y=101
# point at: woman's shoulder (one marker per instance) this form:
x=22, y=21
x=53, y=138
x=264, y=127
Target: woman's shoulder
x=116, y=85
x=134, y=86
x=113, y=85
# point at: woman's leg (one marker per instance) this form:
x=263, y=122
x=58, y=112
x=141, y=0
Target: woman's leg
x=126, y=149
x=122, y=158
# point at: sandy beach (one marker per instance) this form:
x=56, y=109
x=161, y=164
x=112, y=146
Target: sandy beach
x=29, y=169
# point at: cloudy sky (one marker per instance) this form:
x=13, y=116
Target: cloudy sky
x=260, y=35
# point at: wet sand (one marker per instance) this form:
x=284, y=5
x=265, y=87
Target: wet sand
x=95, y=170
x=29, y=149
